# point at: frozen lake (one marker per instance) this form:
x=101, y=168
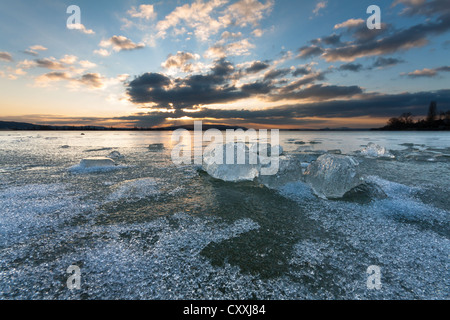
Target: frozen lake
x=149, y=229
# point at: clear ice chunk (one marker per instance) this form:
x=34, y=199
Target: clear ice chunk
x=331, y=175
x=289, y=170
x=115, y=155
x=242, y=165
x=375, y=151
x=97, y=162
x=156, y=147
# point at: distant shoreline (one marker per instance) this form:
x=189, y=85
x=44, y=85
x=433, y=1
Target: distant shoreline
x=23, y=126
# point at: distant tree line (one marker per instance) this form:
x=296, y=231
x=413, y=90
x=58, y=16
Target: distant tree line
x=434, y=121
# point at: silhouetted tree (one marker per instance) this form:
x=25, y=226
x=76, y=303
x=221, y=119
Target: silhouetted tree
x=432, y=121
x=432, y=112
x=406, y=118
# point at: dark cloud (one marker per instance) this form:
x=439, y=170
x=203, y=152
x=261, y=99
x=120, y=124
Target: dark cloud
x=333, y=40
x=309, y=52
x=6, y=56
x=49, y=64
x=256, y=67
x=199, y=89
x=31, y=52
x=257, y=88
x=415, y=36
x=354, y=67
x=305, y=80
x=387, y=40
x=320, y=92
x=381, y=62
x=93, y=80
x=301, y=71
x=425, y=8
x=276, y=73
x=56, y=76
x=366, y=105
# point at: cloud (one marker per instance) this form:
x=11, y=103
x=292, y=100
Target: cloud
x=310, y=51
x=102, y=52
x=224, y=83
x=276, y=73
x=258, y=33
x=381, y=62
x=87, y=64
x=412, y=37
x=80, y=27
x=49, y=63
x=180, y=61
x=196, y=16
x=145, y=11
x=239, y=48
x=350, y=23
x=69, y=59
x=365, y=106
x=53, y=76
x=389, y=40
x=319, y=6
x=257, y=66
x=260, y=87
x=246, y=12
x=231, y=35
x=334, y=40
x=119, y=43
x=6, y=56
x=92, y=80
x=423, y=7
x=354, y=67
x=33, y=50
x=320, y=92
x=307, y=79
x=302, y=70
x=428, y=73
x=205, y=19
x=192, y=90
x=38, y=48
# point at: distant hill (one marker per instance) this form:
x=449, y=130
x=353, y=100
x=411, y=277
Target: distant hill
x=11, y=125
x=6, y=125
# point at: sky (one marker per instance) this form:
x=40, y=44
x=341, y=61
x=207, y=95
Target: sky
x=260, y=64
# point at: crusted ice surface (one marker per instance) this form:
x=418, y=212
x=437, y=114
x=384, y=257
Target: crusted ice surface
x=132, y=190
x=46, y=227
x=407, y=239
x=331, y=176
x=29, y=210
x=160, y=259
